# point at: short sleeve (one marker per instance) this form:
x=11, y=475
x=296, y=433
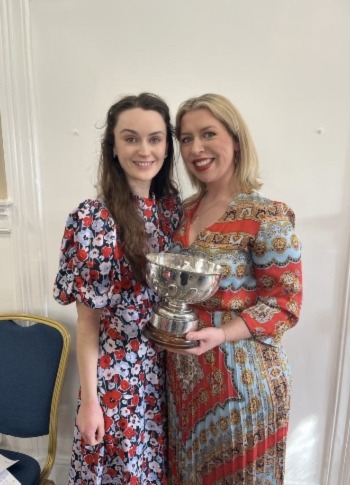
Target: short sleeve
x=89, y=258
x=276, y=255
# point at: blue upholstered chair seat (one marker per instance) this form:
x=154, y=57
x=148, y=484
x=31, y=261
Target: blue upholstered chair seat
x=26, y=470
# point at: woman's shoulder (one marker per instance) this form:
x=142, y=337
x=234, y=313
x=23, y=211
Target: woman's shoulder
x=90, y=210
x=263, y=208
x=89, y=205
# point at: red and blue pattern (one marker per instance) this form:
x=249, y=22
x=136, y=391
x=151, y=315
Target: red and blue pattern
x=229, y=408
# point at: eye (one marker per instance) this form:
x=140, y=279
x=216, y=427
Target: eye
x=155, y=139
x=131, y=139
x=209, y=134
x=185, y=139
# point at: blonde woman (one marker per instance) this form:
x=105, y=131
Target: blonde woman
x=229, y=396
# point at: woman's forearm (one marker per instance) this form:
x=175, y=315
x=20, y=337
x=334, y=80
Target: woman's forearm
x=236, y=329
x=87, y=351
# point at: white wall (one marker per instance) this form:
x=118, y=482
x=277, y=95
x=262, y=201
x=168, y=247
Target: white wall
x=286, y=65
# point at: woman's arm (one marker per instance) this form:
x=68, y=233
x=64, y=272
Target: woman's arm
x=90, y=417
x=276, y=257
x=208, y=338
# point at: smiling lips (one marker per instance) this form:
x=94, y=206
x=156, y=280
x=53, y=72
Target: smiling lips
x=144, y=165
x=202, y=164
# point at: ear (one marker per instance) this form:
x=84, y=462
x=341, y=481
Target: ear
x=236, y=146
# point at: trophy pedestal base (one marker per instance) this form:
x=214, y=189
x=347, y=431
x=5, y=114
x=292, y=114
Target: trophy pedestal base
x=169, y=325
x=168, y=339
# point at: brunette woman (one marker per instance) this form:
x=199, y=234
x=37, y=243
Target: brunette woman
x=119, y=437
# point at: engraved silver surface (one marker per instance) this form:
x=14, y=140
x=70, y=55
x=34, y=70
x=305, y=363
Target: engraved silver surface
x=179, y=280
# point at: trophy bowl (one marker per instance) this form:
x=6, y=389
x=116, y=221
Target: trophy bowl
x=179, y=280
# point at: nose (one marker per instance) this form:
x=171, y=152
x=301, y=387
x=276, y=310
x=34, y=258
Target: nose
x=144, y=149
x=197, y=146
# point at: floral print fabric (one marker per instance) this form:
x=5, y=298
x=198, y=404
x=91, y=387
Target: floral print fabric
x=229, y=408
x=131, y=380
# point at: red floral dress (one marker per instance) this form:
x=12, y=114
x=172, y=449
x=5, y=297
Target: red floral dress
x=94, y=270
x=229, y=408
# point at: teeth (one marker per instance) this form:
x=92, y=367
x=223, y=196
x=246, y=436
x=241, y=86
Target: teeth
x=144, y=164
x=202, y=163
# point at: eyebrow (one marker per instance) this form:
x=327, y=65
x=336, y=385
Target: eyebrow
x=129, y=130
x=209, y=127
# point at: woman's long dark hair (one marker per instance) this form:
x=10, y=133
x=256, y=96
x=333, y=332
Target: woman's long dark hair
x=113, y=185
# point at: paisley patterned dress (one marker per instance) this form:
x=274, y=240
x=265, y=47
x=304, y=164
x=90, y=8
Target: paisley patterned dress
x=131, y=380
x=229, y=407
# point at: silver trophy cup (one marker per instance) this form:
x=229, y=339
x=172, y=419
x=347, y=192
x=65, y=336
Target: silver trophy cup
x=180, y=280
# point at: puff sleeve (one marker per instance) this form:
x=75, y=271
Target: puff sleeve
x=276, y=257
x=89, y=258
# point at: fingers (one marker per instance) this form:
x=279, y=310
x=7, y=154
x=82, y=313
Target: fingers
x=207, y=338
x=94, y=438
x=90, y=425
x=203, y=334
x=100, y=433
x=195, y=336
x=89, y=439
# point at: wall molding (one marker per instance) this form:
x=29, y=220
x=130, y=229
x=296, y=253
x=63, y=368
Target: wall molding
x=21, y=154
x=5, y=216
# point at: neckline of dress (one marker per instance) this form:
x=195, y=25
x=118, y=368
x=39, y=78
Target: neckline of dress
x=197, y=200
x=152, y=198
x=194, y=208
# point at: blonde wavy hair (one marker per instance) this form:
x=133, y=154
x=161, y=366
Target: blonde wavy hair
x=246, y=159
